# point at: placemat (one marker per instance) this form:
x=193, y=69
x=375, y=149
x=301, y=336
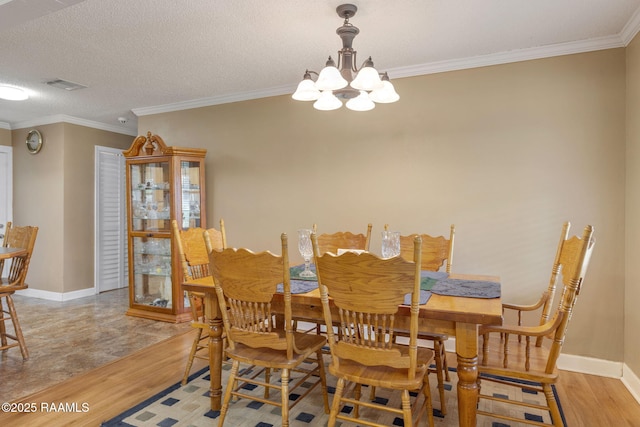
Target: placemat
x=466, y=288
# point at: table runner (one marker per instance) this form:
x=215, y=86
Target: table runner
x=302, y=285
x=466, y=288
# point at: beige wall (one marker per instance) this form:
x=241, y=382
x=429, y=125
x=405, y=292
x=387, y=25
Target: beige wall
x=5, y=137
x=79, y=192
x=38, y=189
x=55, y=191
x=632, y=286
x=507, y=153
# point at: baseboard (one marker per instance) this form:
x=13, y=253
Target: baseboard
x=590, y=365
x=57, y=296
x=631, y=381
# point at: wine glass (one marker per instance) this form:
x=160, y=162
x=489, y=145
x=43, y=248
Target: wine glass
x=306, y=250
x=390, y=244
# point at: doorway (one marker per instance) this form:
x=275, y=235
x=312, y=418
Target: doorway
x=111, y=259
x=6, y=188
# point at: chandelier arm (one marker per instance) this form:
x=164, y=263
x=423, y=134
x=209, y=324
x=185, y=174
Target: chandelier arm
x=339, y=64
x=354, y=61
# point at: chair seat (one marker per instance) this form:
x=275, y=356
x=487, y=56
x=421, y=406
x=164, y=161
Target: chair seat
x=268, y=357
x=493, y=365
x=384, y=376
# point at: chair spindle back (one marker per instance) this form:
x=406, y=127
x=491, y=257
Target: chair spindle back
x=367, y=292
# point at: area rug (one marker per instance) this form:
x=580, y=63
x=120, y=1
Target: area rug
x=188, y=406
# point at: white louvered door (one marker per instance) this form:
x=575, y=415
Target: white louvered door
x=110, y=221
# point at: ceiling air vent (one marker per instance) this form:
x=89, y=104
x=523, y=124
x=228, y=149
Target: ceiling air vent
x=63, y=84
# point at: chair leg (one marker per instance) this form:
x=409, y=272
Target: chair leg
x=285, y=397
x=426, y=390
x=16, y=327
x=445, y=365
x=267, y=379
x=406, y=409
x=3, y=328
x=192, y=354
x=231, y=383
x=323, y=380
x=553, y=405
x=438, y=347
x=335, y=405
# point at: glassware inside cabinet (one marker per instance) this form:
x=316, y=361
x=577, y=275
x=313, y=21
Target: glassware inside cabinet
x=152, y=271
x=150, y=196
x=190, y=189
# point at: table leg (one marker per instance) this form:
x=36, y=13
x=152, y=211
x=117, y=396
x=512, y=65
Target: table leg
x=467, y=350
x=215, y=351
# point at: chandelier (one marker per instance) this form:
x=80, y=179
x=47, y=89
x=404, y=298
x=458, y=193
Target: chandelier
x=336, y=82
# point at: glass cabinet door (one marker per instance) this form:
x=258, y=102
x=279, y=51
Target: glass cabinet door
x=190, y=189
x=152, y=271
x=150, y=196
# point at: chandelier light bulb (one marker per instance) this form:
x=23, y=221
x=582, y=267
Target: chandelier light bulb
x=306, y=91
x=327, y=102
x=361, y=102
x=368, y=78
x=386, y=95
x=330, y=78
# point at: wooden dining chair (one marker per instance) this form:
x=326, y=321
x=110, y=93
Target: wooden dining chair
x=365, y=352
x=194, y=258
x=245, y=283
x=15, y=237
x=436, y=252
x=528, y=367
x=331, y=242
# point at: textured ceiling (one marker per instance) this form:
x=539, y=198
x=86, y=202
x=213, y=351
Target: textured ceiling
x=147, y=56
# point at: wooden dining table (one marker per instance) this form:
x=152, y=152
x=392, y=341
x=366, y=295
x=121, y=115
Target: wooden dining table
x=459, y=317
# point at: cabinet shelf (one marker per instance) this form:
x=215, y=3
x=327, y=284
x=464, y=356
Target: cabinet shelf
x=163, y=184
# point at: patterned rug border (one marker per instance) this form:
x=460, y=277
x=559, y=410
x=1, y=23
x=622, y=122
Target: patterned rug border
x=115, y=421
x=118, y=420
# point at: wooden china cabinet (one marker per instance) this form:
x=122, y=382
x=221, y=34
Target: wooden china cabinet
x=163, y=184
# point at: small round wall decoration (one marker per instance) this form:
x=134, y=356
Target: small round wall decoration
x=34, y=141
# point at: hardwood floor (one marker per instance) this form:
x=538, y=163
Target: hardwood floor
x=110, y=389
x=587, y=400
x=88, y=352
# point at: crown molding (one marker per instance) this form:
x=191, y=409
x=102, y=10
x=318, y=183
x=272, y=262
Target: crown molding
x=5, y=125
x=421, y=69
x=214, y=100
x=631, y=28
x=509, y=57
x=62, y=118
